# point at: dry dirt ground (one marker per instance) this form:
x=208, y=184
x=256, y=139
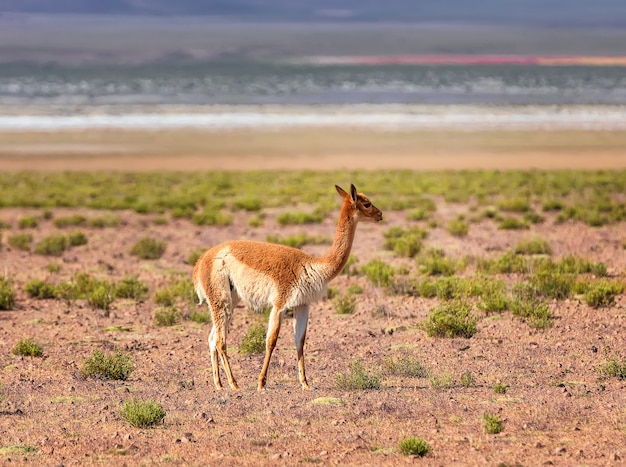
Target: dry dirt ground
x=558, y=410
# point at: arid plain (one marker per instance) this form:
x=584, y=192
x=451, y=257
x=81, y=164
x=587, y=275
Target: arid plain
x=558, y=408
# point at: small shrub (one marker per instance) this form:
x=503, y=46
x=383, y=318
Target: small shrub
x=105, y=221
x=405, y=365
x=355, y=289
x=440, y=382
x=357, y=379
x=77, y=238
x=254, y=340
x=345, y=304
x=53, y=268
x=614, y=367
x=458, y=228
x=500, y=388
x=553, y=284
x=73, y=220
x=102, y=295
x=512, y=223
x=148, y=248
x=527, y=304
x=248, y=204
x=508, y=263
x=467, y=379
x=142, y=414
x=298, y=240
x=602, y=293
x=535, y=246
x=435, y=263
x=40, y=289
x=194, y=256
x=450, y=320
x=404, y=242
x=27, y=223
x=514, y=205
x=413, y=447
x=299, y=218
x=378, y=272
x=167, y=317
x=21, y=242
x=7, y=294
x=27, y=348
x=131, y=287
x=492, y=424
x=212, y=217
x=107, y=367
x=53, y=245
x=200, y=316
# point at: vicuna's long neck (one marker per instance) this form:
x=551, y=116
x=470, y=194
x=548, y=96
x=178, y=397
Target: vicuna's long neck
x=337, y=256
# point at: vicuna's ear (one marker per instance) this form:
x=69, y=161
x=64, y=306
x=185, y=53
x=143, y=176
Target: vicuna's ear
x=341, y=191
x=353, y=193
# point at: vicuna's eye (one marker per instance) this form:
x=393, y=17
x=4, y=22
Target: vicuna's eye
x=367, y=205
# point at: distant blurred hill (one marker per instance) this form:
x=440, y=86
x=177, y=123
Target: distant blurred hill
x=557, y=13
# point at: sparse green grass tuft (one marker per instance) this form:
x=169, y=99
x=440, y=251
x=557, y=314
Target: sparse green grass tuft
x=21, y=241
x=67, y=221
x=142, y=414
x=77, y=238
x=527, y=304
x=298, y=240
x=492, y=424
x=167, y=316
x=435, y=263
x=148, y=248
x=512, y=223
x=451, y=319
x=458, y=228
x=405, y=365
x=249, y=204
x=37, y=288
x=27, y=348
x=535, y=246
x=131, y=287
x=412, y=446
x=7, y=294
x=102, y=295
x=254, y=340
x=500, y=388
x=194, y=256
x=357, y=379
x=614, y=367
x=378, y=272
x=27, y=223
x=200, y=316
x=345, y=304
x=404, y=242
x=107, y=367
x=212, y=217
x=52, y=245
x=467, y=379
x=299, y=218
x=600, y=293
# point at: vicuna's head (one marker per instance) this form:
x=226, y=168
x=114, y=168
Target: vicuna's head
x=364, y=210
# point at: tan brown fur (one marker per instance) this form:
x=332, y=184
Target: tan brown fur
x=264, y=274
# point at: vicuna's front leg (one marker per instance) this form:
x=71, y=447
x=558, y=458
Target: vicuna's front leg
x=273, y=329
x=300, y=320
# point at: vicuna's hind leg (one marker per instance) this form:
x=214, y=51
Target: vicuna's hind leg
x=273, y=328
x=214, y=359
x=221, y=301
x=300, y=321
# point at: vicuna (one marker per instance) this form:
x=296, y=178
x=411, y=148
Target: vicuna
x=264, y=274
